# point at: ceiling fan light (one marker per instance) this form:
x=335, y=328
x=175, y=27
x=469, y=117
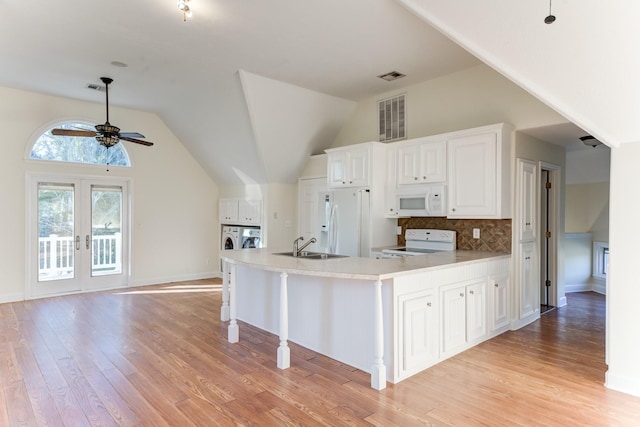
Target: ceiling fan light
x=108, y=141
x=182, y=4
x=187, y=11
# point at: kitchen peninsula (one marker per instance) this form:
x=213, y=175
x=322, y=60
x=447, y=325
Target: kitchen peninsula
x=389, y=317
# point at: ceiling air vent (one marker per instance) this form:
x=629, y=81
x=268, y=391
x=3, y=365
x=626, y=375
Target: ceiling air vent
x=393, y=75
x=94, y=86
x=391, y=118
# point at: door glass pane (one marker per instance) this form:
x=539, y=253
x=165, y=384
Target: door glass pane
x=106, y=233
x=55, y=231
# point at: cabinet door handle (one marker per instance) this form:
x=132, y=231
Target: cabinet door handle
x=77, y=243
x=415, y=178
x=428, y=304
x=86, y=241
x=461, y=294
x=424, y=177
x=471, y=292
x=496, y=285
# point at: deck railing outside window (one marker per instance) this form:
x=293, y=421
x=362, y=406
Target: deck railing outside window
x=56, y=256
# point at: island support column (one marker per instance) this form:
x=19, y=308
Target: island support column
x=378, y=370
x=284, y=359
x=233, y=334
x=224, y=309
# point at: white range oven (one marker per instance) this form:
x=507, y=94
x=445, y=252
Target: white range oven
x=423, y=241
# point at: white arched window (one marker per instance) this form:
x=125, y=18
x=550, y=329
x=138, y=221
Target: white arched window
x=76, y=149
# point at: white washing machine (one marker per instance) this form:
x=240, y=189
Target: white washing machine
x=230, y=237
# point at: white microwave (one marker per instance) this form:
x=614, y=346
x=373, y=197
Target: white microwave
x=431, y=202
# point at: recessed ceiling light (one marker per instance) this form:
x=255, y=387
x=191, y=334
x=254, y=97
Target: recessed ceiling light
x=119, y=64
x=590, y=140
x=393, y=75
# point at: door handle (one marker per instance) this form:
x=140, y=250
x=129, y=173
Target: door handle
x=77, y=243
x=87, y=241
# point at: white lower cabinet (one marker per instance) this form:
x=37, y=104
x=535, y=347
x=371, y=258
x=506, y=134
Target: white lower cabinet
x=499, y=299
x=418, y=331
x=443, y=312
x=464, y=315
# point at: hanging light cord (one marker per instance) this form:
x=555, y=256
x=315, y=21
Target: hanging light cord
x=550, y=18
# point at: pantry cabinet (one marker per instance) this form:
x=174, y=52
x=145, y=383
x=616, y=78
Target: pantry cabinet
x=527, y=182
x=422, y=161
x=478, y=173
x=527, y=273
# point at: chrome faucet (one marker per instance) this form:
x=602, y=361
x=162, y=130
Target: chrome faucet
x=296, y=251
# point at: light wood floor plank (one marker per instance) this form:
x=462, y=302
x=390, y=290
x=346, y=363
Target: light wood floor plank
x=158, y=356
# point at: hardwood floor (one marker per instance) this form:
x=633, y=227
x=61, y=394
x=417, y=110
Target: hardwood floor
x=158, y=356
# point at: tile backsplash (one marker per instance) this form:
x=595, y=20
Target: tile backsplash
x=495, y=234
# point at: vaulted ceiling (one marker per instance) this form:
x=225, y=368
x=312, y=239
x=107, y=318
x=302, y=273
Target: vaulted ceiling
x=189, y=72
x=208, y=78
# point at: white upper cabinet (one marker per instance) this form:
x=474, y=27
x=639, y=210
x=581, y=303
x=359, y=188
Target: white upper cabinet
x=478, y=172
x=228, y=211
x=249, y=212
x=422, y=161
x=350, y=166
x=240, y=211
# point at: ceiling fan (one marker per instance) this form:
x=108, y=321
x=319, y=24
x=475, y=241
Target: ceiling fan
x=106, y=134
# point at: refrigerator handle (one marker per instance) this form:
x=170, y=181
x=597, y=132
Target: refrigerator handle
x=333, y=230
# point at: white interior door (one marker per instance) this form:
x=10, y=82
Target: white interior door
x=78, y=235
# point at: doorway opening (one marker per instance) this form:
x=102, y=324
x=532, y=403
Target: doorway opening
x=549, y=184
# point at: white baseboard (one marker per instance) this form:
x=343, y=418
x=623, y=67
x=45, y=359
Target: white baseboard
x=11, y=297
x=5, y=298
x=180, y=278
x=577, y=287
x=624, y=384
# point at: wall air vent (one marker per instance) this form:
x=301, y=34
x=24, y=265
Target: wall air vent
x=392, y=123
x=94, y=86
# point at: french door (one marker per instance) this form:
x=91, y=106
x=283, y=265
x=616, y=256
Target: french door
x=78, y=235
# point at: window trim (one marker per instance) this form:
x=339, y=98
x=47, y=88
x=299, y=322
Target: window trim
x=598, y=267
x=65, y=121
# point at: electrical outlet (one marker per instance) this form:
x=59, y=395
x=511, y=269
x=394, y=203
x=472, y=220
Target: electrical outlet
x=476, y=233
x=399, y=230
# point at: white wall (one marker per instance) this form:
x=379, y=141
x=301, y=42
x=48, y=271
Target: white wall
x=474, y=97
x=174, y=236
x=623, y=292
x=577, y=259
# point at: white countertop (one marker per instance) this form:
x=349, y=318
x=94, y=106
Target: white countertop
x=353, y=267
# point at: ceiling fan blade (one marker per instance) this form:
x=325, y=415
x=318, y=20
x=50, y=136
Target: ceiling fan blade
x=136, y=141
x=73, y=132
x=131, y=135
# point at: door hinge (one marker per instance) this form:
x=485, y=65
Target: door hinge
x=547, y=185
x=547, y=234
x=547, y=283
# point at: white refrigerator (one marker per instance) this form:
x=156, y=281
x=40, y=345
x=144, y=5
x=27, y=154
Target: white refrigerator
x=344, y=223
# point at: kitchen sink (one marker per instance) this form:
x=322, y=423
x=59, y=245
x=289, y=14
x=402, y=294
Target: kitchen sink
x=312, y=255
